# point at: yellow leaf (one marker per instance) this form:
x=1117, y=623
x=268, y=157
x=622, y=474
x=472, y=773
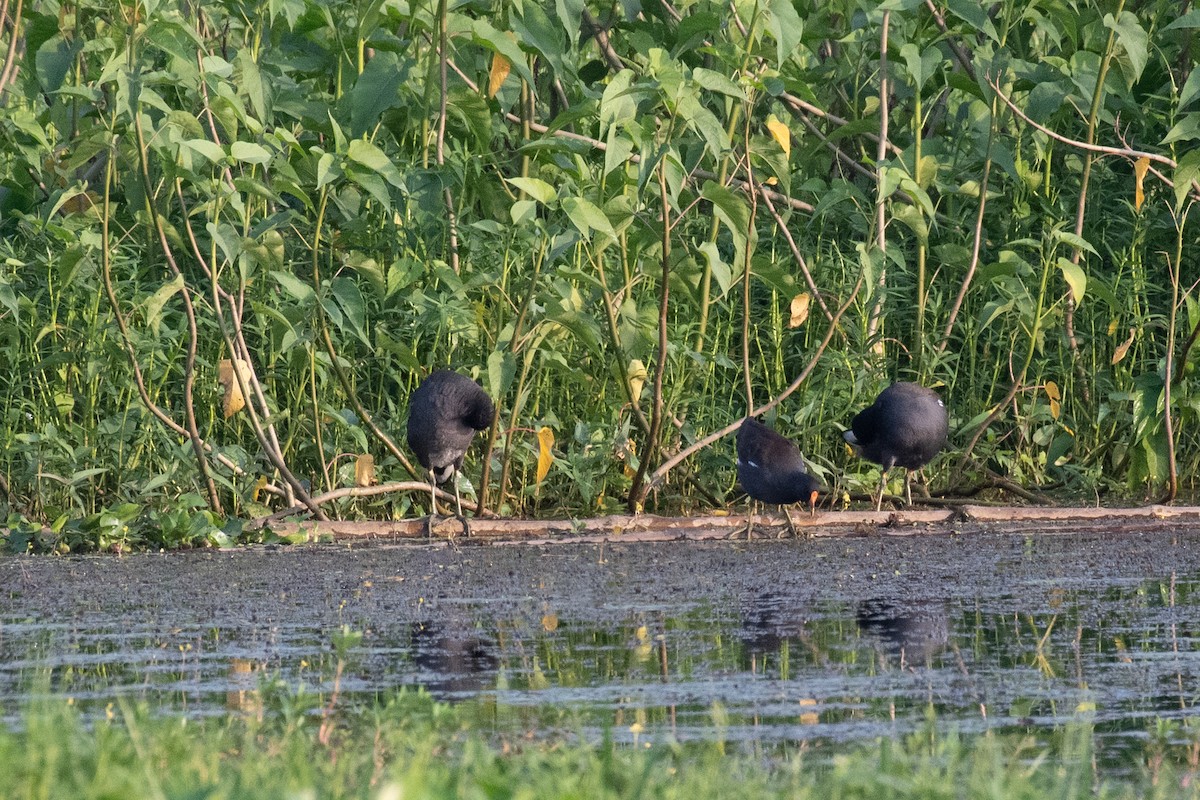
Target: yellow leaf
x=799, y=309
x=636, y=375
x=1112, y=327
x=780, y=133
x=545, y=457
x=364, y=470
x=1140, y=168
x=501, y=66
x=1123, y=348
x=233, y=400
x=259, y=485
x=1054, y=395
x=550, y=623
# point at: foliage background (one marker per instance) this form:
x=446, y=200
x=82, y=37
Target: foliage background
x=346, y=195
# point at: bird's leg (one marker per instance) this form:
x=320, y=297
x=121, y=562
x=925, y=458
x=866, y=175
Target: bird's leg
x=790, y=524
x=458, y=500
x=882, y=486
x=908, y=486
x=749, y=523
x=432, y=518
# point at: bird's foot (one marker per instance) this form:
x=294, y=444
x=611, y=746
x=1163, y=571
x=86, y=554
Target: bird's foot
x=466, y=525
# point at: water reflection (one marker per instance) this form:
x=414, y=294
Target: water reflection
x=453, y=661
x=911, y=632
x=829, y=641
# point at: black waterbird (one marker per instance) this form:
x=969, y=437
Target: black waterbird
x=772, y=470
x=443, y=415
x=906, y=427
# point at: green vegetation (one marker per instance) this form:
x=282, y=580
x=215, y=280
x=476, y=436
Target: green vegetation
x=632, y=222
x=410, y=747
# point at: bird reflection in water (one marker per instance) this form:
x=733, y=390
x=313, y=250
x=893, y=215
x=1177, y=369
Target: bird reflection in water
x=911, y=632
x=454, y=662
x=769, y=625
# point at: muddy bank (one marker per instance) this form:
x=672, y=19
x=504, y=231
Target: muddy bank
x=961, y=519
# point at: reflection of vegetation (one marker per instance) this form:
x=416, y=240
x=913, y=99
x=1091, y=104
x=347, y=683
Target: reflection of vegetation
x=407, y=745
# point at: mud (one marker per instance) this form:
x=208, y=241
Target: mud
x=832, y=639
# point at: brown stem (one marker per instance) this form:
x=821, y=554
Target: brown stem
x=796, y=254
x=659, y=474
x=451, y=216
x=602, y=43
x=977, y=241
x=10, y=57
x=110, y=292
x=637, y=491
x=335, y=360
x=875, y=320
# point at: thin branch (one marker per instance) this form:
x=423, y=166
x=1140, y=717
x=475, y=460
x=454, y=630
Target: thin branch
x=602, y=43
x=977, y=240
x=796, y=254
x=451, y=216
x=875, y=319
x=10, y=58
x=659, y=474
x=637, y=491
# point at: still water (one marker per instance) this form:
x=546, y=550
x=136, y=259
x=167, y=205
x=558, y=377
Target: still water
x=831, y=640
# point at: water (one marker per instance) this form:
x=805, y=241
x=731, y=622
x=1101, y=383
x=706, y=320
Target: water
x=821, y=641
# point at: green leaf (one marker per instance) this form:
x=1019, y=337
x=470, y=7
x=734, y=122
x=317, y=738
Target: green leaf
x=536, y=188
x=1186, y=130
x=787, y=29
x=617, y=104
x=368, y=268
x=257, y=90
x=249, y=153
x=327, y=169
x=501, y=369
x=1133, y=40
x=586, y=216
x=721, y=272
x=349, y=298
x=154, y=303
x=1188, y=20
x=734, y=213
x=376, y=90
x=974, y=14
x=368, y=155
x=570, y=15
x=483, y=33
x=54, y=60
x=297, y=289
x=8, y=298
x=1191, y=88
x=206, y=148
x=1078, y=242
x=1186, y=171
x=523, y=211
x=716, y=82
x=1075, y=277
x=535, y=31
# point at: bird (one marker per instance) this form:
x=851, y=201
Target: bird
x=906, y=427
x=443, y=414
x=772, y=470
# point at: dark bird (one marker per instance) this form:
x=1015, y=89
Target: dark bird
x=906, y=427
x=443, y=415
x=772, y=470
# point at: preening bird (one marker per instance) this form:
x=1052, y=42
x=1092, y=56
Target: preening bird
x=906, y=427
x=443, y=415
x=772, y=470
